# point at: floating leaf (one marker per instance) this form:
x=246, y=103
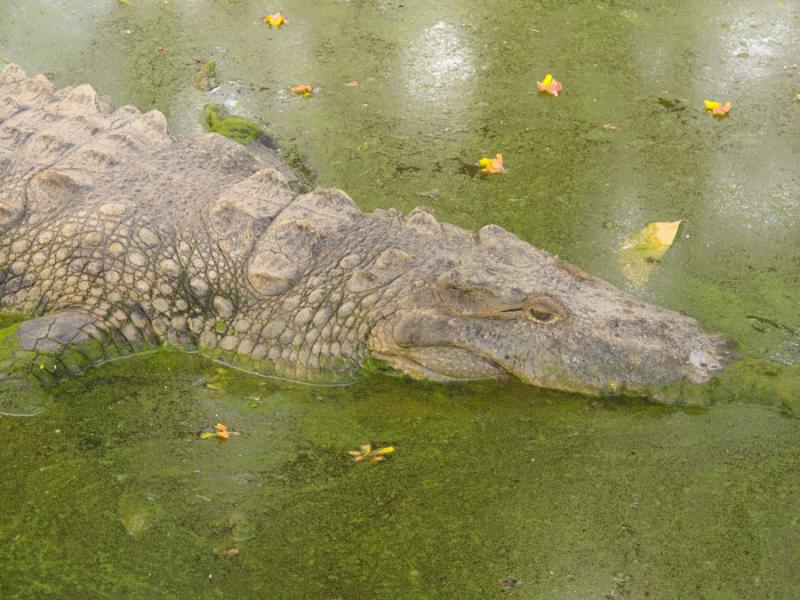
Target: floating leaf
x=492, y=165
x=549, y=85
x=303, y=89
x=509, y=582
x=718, y=109
x=219, y=431
x=275, y=20
x=643, y=250
x=367, y=452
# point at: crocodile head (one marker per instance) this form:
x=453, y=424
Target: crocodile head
x=504, y=307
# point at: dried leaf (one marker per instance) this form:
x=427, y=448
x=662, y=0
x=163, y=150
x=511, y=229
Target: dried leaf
x=219, y=431
x=374, y=455
x=549, y=85
x=303, y=89
x=718, y=109
x=353, y=84
x=226, y=551
x=509, y=582
x=275, y=20
x=492, y=165
x=640, y=252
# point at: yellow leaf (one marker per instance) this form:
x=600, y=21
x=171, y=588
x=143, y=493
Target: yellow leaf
x=712, y=104
x=275, y=20
x=207, y=434
x=548, y=80
x=640, y=252
x=386, y=450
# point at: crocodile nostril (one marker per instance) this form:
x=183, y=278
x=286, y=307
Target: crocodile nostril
x=703, y=360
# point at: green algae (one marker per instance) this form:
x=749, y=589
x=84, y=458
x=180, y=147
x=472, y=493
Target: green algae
x=8, y=319
x=558, y=491
x=217, y=119
x=12, y=358
x=748, y=381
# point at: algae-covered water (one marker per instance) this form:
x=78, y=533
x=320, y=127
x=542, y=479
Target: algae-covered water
x=494, y=489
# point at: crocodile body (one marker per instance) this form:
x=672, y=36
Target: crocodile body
x=112, y=229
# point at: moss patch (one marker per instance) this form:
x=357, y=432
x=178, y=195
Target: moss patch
x=7, y=319
x=217, y=119
x=205, y=79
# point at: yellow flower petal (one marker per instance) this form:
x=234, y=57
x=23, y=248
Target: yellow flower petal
x=547, y=80
x=711, y=104
x=386, y=450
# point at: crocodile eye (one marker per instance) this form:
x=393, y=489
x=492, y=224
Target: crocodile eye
x=544, y=309
x=543, y=316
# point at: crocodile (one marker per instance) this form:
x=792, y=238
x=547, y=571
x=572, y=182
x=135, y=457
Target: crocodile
x=114, y=233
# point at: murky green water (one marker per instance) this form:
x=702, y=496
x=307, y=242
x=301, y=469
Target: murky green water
x=109, y=493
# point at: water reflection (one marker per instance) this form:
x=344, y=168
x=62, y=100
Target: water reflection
x=439, y=71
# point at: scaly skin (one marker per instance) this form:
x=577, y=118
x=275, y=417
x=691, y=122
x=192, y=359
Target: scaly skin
x=130, y=235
